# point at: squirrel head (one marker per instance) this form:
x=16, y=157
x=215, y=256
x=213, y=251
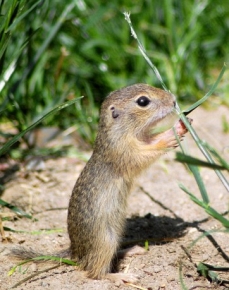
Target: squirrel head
x=136, y=126
x=134, y=112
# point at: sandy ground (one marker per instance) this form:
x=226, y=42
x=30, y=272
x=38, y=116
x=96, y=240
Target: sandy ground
x=159, y=211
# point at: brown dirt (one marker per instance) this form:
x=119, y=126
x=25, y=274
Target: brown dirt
x=159, y=211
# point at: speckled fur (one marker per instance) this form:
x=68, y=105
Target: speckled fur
x=123, y=149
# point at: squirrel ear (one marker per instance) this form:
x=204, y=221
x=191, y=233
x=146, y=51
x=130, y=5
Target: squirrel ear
x=115, y=112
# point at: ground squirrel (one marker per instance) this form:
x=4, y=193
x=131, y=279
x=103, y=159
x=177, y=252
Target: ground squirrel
x=126, y=144
x=132, y=134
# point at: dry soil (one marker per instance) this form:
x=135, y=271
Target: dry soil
x=159, y=212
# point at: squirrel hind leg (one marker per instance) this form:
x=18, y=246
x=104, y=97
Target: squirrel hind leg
x=100, y=263
x=99, y=259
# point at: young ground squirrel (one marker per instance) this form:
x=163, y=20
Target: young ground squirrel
x=133, y=132
x=126, y=144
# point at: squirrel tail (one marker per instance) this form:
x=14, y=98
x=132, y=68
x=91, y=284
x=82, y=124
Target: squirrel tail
x=29, y=253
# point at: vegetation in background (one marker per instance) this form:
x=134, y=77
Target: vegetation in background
x=53, y=51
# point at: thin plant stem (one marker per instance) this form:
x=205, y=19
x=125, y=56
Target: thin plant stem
x=182, y=115
x=202, y=148
x=143, y=51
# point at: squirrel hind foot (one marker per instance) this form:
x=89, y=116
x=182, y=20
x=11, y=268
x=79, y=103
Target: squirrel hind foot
x=96, y=266
x=122, y=277
x=115, y=277
x=104, y=271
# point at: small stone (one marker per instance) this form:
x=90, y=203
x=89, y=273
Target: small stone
x=33, y=267
x=157, y=269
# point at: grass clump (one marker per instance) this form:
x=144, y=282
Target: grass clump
x=53, y=51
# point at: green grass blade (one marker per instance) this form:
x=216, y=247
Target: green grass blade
x=53, y=32
x=4, y=45
x=18, y=19
x=198, y=103
x=146, y=246
x=183, y=158
x=8, y=144
x=41, y=232
x=206, y=271
x=199, y=181
x=45, y=44
x=208, y=233
x=202, y=148
x=15, y=209
x=193, y=198
x=43, y=258
x=54, y=258
x=183, y=286
x=6, y=76
x=211, y=211
x=203, y=270
x=142, y=50
x=222, y=161
x=216, y=268
x=195, y=171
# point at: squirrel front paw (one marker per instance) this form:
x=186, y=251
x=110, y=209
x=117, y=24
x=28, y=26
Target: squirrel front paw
x=169, y=138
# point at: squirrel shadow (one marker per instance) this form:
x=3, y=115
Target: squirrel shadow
x=154, y=229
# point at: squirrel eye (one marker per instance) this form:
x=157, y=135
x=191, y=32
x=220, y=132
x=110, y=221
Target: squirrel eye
x=143, y=101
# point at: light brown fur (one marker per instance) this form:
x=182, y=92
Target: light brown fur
x=124, y=147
